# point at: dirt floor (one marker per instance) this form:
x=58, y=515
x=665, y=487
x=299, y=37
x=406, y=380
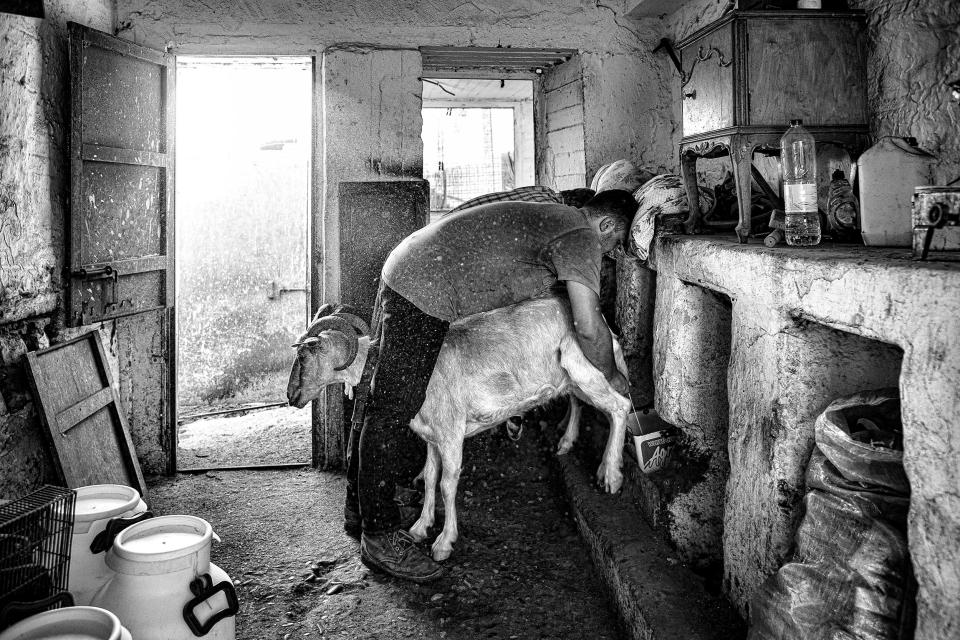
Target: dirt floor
x=277, y=435
x=520, y=569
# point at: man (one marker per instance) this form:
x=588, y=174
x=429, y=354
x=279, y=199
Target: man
x=572, y=197
x=478, y=259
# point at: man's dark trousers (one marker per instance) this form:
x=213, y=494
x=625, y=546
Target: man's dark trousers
x=389, y=451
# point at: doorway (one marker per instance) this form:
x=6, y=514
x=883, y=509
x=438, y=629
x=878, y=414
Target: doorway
x=243, y=145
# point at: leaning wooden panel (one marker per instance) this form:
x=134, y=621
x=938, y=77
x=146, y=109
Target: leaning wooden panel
x=83, y=421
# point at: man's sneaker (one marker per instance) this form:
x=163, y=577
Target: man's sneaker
x=396, y=553
x=353, y=524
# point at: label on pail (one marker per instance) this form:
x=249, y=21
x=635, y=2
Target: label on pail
x=653, y=450
x=653, y=439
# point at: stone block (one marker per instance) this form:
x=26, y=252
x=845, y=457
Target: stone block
x=811, y=325
x=691, y=352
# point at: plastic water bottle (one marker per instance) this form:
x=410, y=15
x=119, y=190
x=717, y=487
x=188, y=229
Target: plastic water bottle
x=798, y=159
x=843, y=211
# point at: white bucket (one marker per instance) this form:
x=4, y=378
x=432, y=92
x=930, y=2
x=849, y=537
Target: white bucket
x=164, y=586
x=69, y=623
x=653, y=439
x=96, y=507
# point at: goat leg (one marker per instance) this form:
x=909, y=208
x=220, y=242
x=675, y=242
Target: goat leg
x=598, y=392
x=429, y=473
x=571, y=424
x=451, y=457
x=609, y=474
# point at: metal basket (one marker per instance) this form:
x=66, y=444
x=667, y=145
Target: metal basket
x=35, y=536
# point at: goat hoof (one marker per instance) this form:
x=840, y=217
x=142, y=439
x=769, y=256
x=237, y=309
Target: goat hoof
x=564, y=447
x=609, y=478
x=441, y=551
x=614, y=484
x=419, y=531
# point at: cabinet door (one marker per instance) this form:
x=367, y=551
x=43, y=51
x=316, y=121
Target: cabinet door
x=809, y=68
x=708, y=94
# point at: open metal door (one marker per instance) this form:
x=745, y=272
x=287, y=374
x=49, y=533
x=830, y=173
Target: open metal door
x=120, y=241
x=121, y=230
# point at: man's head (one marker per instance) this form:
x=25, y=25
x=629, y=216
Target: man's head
x=610, y=214
x=577, y=197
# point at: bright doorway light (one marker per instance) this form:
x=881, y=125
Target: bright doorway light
x=242, y=209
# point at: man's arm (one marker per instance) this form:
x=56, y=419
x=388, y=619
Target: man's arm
x=593, y=334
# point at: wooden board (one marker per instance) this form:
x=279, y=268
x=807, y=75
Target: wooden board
x=82, y=417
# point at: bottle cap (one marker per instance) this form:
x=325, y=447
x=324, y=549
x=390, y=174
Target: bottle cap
x=796, y=121
x=838, y=175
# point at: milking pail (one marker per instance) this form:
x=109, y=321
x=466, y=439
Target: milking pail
x=888, y=173
x=69, y=623
x=653, y=439
x=100, y=512
x=164, y=586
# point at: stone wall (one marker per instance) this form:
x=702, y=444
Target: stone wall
x=34, y=196
x=627, y=89
x=806, y=327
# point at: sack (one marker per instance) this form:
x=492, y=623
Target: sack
x=850, y=575
x=661, y=198
x=621, y=174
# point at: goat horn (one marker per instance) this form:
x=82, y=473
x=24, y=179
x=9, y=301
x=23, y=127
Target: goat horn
x=338, y=324
x=359, y=325
x=324, y=310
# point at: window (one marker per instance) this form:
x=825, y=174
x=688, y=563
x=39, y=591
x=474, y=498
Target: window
x=477, y=138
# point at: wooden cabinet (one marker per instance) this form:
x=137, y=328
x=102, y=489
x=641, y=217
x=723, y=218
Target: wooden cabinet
x=745, y=76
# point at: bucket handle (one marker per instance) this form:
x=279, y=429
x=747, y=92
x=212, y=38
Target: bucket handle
x=104, y=539
x=15, y=611
x=203, y=588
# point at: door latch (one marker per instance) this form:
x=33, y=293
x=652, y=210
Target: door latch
x=276, y=291
x=109, y=276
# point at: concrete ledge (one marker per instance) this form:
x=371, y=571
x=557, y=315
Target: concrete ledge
x=656, y=597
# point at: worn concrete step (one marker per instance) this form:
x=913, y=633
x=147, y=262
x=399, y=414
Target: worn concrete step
x=656, y=597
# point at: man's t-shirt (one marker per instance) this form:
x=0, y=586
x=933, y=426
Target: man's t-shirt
x=493, y=256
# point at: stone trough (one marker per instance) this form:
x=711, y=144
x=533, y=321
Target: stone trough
x=750, y=345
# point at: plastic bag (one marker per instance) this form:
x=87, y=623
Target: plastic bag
x=662, y=197
x=621, y=174
x=850, y=575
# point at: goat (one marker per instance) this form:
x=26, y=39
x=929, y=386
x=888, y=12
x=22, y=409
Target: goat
x=492, y=365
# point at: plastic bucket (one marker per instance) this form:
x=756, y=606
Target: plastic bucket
x=70, y=623
x=98, y=508
x=653, y=439
x=164, y=586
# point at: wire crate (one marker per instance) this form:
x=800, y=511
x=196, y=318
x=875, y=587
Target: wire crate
x=35, y=535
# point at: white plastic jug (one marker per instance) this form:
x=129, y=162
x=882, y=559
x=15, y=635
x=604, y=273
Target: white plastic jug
x=100, y=511
x=164, y=586
x=888, y=172
x=69, y=623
